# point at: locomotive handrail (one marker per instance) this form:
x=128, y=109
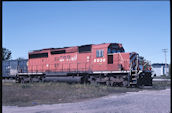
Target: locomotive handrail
x=64, y=67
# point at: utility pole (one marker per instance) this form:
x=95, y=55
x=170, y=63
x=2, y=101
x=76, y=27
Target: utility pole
x=165, y=51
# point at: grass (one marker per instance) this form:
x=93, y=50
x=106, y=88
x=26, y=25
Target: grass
x=55, y=92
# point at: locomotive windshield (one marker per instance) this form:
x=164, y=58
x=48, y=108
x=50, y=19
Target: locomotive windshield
x=115, y=48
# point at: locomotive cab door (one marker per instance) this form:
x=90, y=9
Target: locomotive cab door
x=110, y=59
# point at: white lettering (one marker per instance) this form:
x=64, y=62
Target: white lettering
x=88, y=57
x=94, y=60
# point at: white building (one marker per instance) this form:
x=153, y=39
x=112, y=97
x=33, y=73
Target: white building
x=159, y=69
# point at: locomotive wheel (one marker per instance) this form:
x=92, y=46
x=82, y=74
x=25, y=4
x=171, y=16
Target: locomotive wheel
x=121, y=84
x=112, y=83
x=22, y=80
x=31, y=80
x=124, y=83
x=92, y=80
x=17, y=79
x=108, y=83
x=84, y=80
x=40, y=79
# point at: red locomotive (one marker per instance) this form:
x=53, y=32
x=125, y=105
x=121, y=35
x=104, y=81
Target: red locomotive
x=101, y=63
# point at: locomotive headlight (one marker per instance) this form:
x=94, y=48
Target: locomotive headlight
x=47, y=65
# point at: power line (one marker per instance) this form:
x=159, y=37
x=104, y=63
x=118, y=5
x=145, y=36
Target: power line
x=165, y=51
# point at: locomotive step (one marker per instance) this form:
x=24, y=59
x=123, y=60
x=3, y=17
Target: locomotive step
x=134, y=75
x=134, y=78
x=134, y=71
x=133, y=83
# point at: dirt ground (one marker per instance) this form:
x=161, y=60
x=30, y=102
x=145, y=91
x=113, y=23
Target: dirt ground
x=146, y=101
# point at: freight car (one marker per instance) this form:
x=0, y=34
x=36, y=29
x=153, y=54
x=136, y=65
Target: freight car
x=106, y=63
x=11, y=67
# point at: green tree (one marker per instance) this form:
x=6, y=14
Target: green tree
x=6, y=54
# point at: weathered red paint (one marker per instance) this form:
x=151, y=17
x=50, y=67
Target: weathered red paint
x=72, y=60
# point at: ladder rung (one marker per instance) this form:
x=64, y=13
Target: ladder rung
x=134, y=75
x=133, y=70
x=134, y=78
x=133, y=83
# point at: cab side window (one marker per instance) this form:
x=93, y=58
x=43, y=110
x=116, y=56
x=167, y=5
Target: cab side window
x=99, y=53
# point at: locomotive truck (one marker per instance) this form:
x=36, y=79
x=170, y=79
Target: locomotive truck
x=106, y=63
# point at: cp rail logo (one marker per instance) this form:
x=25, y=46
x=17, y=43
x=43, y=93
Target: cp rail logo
x=66, y=58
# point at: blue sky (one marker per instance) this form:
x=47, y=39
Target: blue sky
x=143, y=27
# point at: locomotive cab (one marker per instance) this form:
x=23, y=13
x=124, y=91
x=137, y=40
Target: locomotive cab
x=115, y=48
x=117, y=58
